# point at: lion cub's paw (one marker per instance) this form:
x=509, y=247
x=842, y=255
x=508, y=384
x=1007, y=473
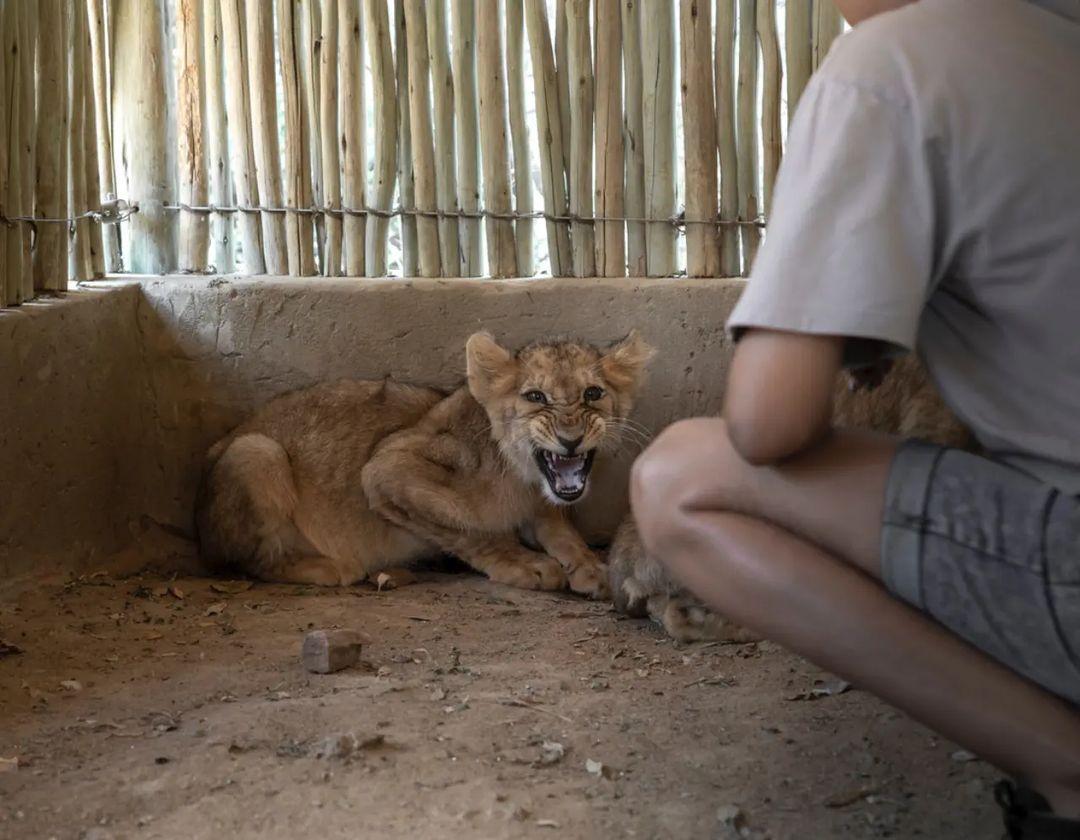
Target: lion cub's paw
x=539, y=572
x=591, y=580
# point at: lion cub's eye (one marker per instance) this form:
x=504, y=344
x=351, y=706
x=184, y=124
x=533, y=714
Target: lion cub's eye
x=593, y=393
x=536, y=397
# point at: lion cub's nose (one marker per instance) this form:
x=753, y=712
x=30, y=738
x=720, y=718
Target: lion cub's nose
x=570, y=445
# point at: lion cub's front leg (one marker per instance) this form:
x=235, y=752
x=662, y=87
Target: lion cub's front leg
x=556, y=534
x=417, y=494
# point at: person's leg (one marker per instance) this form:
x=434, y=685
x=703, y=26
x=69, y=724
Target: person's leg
x=786, y=551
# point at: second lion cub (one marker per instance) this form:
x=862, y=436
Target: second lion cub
x=334, y=483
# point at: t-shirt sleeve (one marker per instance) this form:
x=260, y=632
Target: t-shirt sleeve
x=849, y=246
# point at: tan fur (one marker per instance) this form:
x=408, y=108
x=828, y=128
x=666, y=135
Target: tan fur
x=905, y=404
x=331, y=484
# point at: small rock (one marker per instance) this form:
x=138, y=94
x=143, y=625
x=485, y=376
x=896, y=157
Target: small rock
x=9, y=648
x=73, y=686
x=327, y=651
x=546, y=824
x=963, y=756
x=732, y=817
x=216, y=609
x=9, y=764
x=551, y=752
x=599, y=769
x=346, y=744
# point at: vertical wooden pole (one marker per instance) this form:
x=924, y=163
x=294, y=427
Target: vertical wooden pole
x=699, y=138
x=770, y=106
x=610, y=174
x=262, y=80
x=633, y=138
x=549, y=129
x=351, y=118
x=519, y=134
x=406, y=176
x=308, y=19
x=502, y=250
x=50, y=254
x=217, y=144
x=96, y=243
x=377, y=30
x=581, y=135
x=423, y=143
x=299, y=236
x=797, y=34
x=241, y=151
x=99, y=50
x=81, y=265
x=191, y=140
x=746, y=138
x=658, y=107
x=329, y=134
x=9, y=21
x=28, y=26
x=562, y=66
x=730, y=263
x=442, y=89
x=467, y=126
x=827, y=27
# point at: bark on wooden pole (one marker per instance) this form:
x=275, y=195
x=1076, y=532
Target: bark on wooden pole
x=191, y=139
x=549, y=129
x=797, y=35
x=96, y=242
x=442, y=90
x=581, y=133
x=746, y=135
x=9, y=285
x=81, y=267
x=405, y=175
x=262, y=82
x=51, y=199
x=770, y=106
x=333, y=138
x=502, y=256
x=519, y=134
x=827, y=27
x=28, y=25
x=384, y=88
x=423, y=143
x=352, y=153
x=241, y=152
x=658, y=107
x=562, y=66
x=308, y=19
x=730, y=264
x=699, y=138
x=217, y=141
x=467, y=127
x=633, y=139
x=99, y=51
x=610, y=174
x=299, y=235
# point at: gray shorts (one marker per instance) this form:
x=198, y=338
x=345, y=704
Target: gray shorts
x=991, y=553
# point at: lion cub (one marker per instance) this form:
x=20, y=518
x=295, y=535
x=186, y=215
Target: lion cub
x=333, y=483
x=905, y=403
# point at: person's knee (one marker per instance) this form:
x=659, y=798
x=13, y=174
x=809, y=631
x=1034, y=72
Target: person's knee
x=685, y=462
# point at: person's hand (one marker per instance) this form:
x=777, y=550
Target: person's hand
x=869, y=377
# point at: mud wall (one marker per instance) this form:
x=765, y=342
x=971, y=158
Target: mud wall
x=139, y=380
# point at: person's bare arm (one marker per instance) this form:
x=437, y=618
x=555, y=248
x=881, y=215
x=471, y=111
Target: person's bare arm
x=780, y=392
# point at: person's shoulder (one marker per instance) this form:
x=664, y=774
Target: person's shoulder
x=890, y=52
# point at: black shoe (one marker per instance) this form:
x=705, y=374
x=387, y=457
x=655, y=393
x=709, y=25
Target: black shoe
x=1028, y=815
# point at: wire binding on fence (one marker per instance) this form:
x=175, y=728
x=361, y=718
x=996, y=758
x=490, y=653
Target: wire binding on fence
x=676, y=221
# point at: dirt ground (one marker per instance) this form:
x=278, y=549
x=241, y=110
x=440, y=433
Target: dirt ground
x=150, y=707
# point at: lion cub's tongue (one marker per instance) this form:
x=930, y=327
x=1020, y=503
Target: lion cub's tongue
x=569, y=473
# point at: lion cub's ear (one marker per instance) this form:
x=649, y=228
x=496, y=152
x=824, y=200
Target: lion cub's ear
x=490, y=368
x=624, y=362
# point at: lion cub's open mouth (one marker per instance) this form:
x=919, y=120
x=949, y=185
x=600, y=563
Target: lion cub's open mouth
x=566, y=475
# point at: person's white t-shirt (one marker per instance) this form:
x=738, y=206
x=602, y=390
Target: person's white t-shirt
x=930, y=199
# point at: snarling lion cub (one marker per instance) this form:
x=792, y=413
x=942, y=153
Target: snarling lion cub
x=331, y=484
x=902, y=401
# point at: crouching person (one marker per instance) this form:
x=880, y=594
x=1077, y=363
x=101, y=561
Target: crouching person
x=927, y=202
